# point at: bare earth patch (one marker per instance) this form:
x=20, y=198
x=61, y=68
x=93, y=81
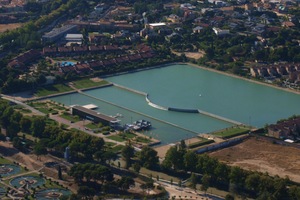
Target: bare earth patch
x=259, y=155
x=4, y=27
x=96, y=79
x=193, y=55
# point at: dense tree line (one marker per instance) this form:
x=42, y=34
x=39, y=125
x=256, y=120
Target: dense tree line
x=52, y=136
x=210, y=172
x=27, y=36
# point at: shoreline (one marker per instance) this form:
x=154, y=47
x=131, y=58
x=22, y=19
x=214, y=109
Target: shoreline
x=204, y=68
x=243, y=78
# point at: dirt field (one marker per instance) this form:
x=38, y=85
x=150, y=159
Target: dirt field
x=4, y=27
x=193, y=55
x=257, y=155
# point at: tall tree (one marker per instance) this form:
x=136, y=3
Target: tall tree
x=38, y=126
x=39, y=150
x=148, y=157
x=127, y=154
x=205, y=182
x=193, y=181
x=125, y=183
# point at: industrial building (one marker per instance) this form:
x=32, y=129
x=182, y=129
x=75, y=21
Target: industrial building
x=59, y=33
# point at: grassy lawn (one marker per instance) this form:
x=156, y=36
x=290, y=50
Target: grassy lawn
x=203, y=141
x=92, y=126
x=25, y=111
x=52, y=89
x=4, y=161
x=143, y=139
x=231, y=132
x=86, y=83
x=70, y=117
x=45, y=110
x=130, y=135
x=122, y=137
x=117, y=148
x=37, y=104
x=51, y=122
x=161, y=175
x=78, y=131
x=117, y=138
x=110, y=144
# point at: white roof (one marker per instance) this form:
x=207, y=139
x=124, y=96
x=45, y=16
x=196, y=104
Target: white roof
x=289, y=141
x=74, y=36
x=90, y=106
x=158, y=24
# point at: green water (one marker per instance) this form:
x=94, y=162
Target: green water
x=184, y=86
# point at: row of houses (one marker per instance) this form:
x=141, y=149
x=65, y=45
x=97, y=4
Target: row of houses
x=88, y=67
x=25, y=58
x=78, y=50
x=288, y=129
x=290, y=71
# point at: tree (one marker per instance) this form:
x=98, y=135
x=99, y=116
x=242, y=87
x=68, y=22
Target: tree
x=25, y=124
x=59, y=173
x=252, y=181
x=189, y=160
x=173, y=159
x=148, y=157
x=125, y=183
x=205, y=182
x=127, y=154
x=108, y=156
x=136, y=167
x=38, y=126
x=193, y=181
x=148, y=186
x=39, y=150
x=86, y=191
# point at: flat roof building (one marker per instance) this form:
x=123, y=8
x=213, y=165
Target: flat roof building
x=94, y=116
x=74, y=38
x=58, y=33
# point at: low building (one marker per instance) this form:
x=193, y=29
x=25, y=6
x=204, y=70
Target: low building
x=74, y=38
x=287, y=129
x=93, y=116
x=220, y=32
x=58, y=33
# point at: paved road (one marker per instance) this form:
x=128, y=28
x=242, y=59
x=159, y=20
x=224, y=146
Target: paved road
x=35, y=111
x=78, y=125
x=185, y=192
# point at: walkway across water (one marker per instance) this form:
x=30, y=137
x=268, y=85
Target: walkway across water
x=178, y=109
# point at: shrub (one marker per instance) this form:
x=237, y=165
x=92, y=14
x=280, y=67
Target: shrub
x=106, y=133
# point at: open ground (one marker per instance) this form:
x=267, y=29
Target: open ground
x=263, y=156
x=5, y=27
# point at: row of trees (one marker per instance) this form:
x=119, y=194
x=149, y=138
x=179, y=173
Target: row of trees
x=52, y=136
x=209, y=171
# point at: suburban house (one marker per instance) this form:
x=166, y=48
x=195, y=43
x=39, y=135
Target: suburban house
x=220, y=32
x=25, y=58
x=287, y=129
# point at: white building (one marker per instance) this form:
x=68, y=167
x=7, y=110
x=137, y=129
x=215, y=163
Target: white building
x=74, y=38
x=220, y=32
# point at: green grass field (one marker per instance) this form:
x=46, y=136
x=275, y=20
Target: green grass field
x=92, y=126
x=202, y=142
x=231, y=132
x=52, y=89
x=122, y=137
x=70, y=117
x=143, y=139
x=117, y=148
x=4, y=161
x=86, y=83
